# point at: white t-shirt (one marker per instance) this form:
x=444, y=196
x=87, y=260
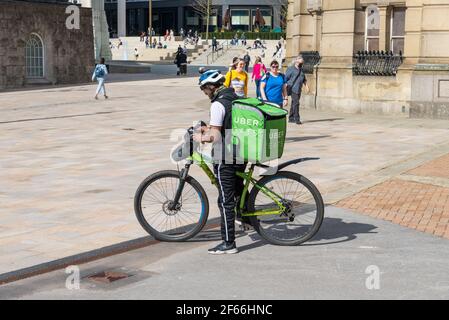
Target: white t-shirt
x=217, y=114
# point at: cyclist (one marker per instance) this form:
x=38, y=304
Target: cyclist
x=225, y=166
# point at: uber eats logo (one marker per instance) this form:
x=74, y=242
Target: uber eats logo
x=246, y=121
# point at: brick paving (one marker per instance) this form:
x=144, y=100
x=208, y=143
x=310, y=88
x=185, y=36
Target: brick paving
x=424, y=207
x=436, y=168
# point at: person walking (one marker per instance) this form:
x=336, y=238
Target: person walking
x=100, y=73
x=259, y=71
x=247, y=59
x=273, y=86
x=181, y=61
x=296, y=78
x=214, y=44
x=238, y=79
x=136, y=53
x=147, y=42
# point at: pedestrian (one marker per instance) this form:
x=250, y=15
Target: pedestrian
x=120, y=43
x=247, y=59
x=273, y=86
x=233, y=65
x=276, y=51
x=181, y=33
x=296, y=78
x=147, y=42
x=172, y=35
x=136, y=53
x=100, y=73
x=243, y=41
x=182, y=60
x=167, y=34
x=214, y=44
x=238, y=79
x=259, y=71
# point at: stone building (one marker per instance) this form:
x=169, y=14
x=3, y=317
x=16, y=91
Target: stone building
x=36, y=47
x=385, y=56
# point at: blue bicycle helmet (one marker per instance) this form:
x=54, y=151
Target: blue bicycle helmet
x=210, y=77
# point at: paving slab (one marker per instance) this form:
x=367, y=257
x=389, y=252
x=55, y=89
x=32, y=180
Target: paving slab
x=352, y=257
x=70, y=165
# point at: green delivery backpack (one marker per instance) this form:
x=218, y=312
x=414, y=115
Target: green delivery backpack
x=258, y=130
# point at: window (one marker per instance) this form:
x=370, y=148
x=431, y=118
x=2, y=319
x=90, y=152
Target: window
x=397, y=30
x=266, y=14
x=34, y=57
x=372, y=28
x=240, y=19
x=192, y=18
x=213, y=19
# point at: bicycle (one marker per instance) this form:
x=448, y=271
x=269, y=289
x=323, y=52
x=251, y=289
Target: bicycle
x=178, y=206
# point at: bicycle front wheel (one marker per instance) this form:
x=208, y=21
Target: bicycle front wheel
x=302, y=217
x=153, y=201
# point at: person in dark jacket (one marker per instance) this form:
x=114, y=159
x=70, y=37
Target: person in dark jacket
x=296, y=78
x=247, y=59
x=181, y=61
x=214, y=44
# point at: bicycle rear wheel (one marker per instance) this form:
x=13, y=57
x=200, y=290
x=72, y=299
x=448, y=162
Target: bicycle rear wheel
x=303, y=216
x=153, y=199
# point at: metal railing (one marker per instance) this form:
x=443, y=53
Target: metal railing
x=311, y=59
x=212, y=55
x=376, y=63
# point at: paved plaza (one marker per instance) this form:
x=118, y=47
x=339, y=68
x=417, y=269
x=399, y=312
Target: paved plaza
x=70, y=165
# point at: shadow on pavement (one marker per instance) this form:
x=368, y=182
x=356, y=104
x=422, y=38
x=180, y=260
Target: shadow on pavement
x=323, y=120
x=334, y=229
x=298, y=139
x=339, y=231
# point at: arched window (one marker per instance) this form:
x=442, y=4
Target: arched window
x=372, y=29
x=34, y=57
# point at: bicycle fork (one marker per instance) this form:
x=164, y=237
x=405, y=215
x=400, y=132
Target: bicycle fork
x=182, y=181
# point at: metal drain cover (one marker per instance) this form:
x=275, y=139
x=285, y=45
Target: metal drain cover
x=108, y=276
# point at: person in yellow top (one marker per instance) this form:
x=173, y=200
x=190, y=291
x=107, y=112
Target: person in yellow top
x=238, y=79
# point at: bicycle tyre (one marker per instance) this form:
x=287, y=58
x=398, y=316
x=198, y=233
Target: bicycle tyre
x=256, y=223
x=196, y=227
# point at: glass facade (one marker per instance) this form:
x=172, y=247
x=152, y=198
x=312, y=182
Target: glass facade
x=185, y=16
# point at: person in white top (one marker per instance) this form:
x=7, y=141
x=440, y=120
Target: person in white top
x=100, y=73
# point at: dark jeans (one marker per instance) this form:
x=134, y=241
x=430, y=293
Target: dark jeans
x=229, y=188
x=258, y=88
x=246, y=67
x=294, y=109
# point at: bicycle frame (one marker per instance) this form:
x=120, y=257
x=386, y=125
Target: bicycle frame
x=202, y=161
